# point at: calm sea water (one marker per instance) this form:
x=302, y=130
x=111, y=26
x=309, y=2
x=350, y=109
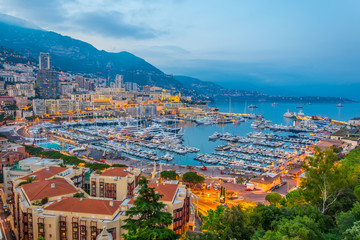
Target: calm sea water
x=275, y=113
x=197, y=136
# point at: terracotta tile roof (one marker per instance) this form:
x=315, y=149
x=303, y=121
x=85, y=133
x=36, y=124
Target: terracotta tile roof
x=39, y=190
x=45, y=173
x=116, y=172
x=167, y=190
x=91, y=206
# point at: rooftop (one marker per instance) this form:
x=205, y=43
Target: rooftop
x=167, y=190
x=85, y=205
x=116, y=172
x=327, y=143
x=265, y=179
x=48, y=188
x=44, y=173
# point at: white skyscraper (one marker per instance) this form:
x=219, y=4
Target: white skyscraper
x=119, y=80
x=44, y=61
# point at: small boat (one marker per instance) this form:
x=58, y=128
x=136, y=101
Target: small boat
x=299, y=106
x=252, y=106
x=339, y=105
x=274, y=104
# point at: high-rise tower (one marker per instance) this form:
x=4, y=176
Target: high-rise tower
x=44, y=61
x=47, y=79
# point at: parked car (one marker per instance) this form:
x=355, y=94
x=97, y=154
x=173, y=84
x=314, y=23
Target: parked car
x=283, y=183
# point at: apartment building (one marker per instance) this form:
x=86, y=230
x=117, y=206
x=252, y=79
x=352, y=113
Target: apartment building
x=8, y=158
x=22, y=102
x=117, y=183
x=60, y=106
x=21, y=89
x=39, y=107
x=47, y=207
x=177, y=199
x=25, y=167
x=28, y=205
x=142, y=111
x=75, y=174
x=84, y=218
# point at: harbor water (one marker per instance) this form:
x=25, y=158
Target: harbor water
x=198, y=135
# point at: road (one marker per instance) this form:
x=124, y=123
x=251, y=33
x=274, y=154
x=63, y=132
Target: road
x=290, y=183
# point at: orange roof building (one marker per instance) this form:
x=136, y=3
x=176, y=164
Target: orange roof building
x=45, y=173
x=117, y=183
x=85, y=205
x=50, y=188
x=177, y=199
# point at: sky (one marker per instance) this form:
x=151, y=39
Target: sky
x=279, y=47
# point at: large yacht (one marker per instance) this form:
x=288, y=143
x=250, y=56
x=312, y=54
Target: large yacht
x=289, y=114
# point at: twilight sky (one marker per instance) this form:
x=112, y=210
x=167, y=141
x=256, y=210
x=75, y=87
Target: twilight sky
x=281, y=47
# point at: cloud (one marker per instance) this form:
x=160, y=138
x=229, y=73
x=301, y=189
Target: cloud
x=37, y=11
x=70, y=16
x=111, y=24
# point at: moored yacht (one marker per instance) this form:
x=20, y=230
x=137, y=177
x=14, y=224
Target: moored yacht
x=289, y=114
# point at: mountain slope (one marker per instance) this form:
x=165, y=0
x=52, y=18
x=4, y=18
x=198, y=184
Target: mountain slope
x=74, y=55
x=210, y=89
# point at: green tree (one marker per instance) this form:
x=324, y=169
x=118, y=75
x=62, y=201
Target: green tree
x=119, y=165
x=325, y=180
x=146, y=220
x=294, y=198
x=353, y=233
x=303, y=228
x=228, y=223
x=192, y=178
x=172, y=175
x=79, y=195
x=201, y=236
x=357, y=192
x=273, y=198
x=262, y=216
x=44, y=200
x=346, y=220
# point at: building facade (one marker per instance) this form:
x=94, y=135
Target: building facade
x=21, y=89
x=47, y=83
x=117, y=183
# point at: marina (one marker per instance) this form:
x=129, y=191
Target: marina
x=245, y=143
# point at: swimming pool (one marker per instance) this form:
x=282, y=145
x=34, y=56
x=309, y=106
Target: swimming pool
x=54, y=145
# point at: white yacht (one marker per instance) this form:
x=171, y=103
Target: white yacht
x=289, y=114
x=300, y=113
